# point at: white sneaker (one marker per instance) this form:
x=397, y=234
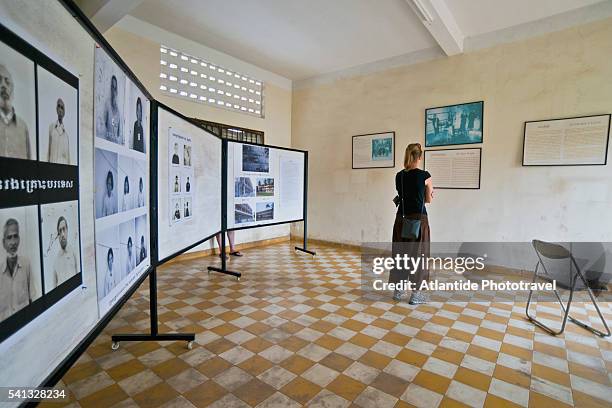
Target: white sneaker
x=418, y=298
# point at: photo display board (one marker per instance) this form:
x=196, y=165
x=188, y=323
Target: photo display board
x=189, y=183
x=454, y=168
x=121, y=181
x=265, y=185
x=40, y=257
x=374, y=150
x=567, y=142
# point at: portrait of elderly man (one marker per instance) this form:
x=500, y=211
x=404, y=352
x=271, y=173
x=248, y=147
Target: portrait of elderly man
x=14, y=133
x=17, y=286
x=59, y=143
x=66, y=263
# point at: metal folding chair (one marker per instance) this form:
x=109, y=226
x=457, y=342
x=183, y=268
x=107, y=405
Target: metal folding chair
x=557, y=252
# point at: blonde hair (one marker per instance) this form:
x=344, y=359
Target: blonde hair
x=413, y=153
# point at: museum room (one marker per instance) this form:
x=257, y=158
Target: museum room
x=284, y=203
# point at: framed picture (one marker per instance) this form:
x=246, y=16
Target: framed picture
x=578, y=141
x=454, y=168
x=454, y=124
x=374, y=150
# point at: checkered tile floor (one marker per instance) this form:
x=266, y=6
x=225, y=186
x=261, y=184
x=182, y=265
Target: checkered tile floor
x=296, y=331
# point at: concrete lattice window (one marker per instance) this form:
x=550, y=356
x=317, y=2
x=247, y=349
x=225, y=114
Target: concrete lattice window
x=192, y=78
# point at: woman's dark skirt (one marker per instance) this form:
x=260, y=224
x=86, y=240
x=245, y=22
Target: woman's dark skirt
x=418, y=248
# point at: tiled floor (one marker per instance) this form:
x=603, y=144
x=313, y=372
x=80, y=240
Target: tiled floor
x=297, y=331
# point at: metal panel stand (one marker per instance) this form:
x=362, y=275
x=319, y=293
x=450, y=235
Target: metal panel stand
x=223, y=268
x=305, y=246
x=154, y=335
x=558, y=252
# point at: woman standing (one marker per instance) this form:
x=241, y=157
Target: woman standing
x=415, y=188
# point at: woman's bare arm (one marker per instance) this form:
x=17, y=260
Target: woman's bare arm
x=428, y=191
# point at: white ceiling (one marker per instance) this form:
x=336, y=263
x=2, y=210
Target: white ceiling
x=300, y=39
x=483, y=16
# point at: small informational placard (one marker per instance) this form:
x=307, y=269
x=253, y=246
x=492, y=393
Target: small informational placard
x=567, y=142
x=376, y=150
x=454, y=168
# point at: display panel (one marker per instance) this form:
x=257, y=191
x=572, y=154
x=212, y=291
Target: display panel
x=189, y=183
x=265, y=185
x=567, y=142
x=40, y=257
x=454, y=168
x=121, y=179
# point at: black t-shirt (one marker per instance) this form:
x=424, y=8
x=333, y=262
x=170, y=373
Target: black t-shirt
x=410, y=185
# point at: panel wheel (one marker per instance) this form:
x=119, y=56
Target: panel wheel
x=115, y=345
x=190, y=345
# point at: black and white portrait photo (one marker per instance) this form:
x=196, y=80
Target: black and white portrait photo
x=108, y=255
x=187, y=208
x=20, y=281
x=176, y=210
x=57, y=119
x=127, y=176
x=141, y=239
x=140, y=168
x=187, y=155
x=127, y=239
x=61, y=251
x=137, y=118
x=188, y=184
x=175, y=158
x=176, y=183
x=109, y=99
x=107, y=183
x=17, y=105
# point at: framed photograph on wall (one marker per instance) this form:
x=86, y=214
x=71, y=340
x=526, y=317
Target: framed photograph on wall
x=578, y=141
x=374, y=150
x=454, y=124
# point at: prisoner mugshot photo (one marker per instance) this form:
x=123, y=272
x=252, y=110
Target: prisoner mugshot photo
x=109, y=94
x=57, y=119
x=61, y=244
x=137, y=118
x=17, y=105
x=20, y=272
x=107, y=183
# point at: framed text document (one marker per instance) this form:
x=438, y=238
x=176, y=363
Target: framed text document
x=454, y=168
x=577, y=141
x=375, y=150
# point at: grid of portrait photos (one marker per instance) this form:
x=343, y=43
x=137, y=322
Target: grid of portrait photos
x=181, y=182
x=121, y=167
x=254, y=186
x=40, y=257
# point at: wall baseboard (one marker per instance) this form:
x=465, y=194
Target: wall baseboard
x=189, y=256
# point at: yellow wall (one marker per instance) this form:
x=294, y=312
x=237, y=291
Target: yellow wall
x=562, y=74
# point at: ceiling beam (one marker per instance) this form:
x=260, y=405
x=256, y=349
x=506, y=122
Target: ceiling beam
x=106, y=13
x=440, y=22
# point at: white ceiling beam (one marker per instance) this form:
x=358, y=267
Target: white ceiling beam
x=106, y=13
x=440, y=22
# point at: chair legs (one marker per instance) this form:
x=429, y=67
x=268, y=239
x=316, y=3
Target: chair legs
x=566, y=308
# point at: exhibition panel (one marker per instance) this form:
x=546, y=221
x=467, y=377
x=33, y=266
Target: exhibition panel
x=121, y=176
x=265, y=185
x=39, y=190
x=189, y=183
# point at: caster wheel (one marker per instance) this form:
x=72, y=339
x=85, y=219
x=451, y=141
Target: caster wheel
x=115, y=345
x=190, y=345
x=238, y=279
